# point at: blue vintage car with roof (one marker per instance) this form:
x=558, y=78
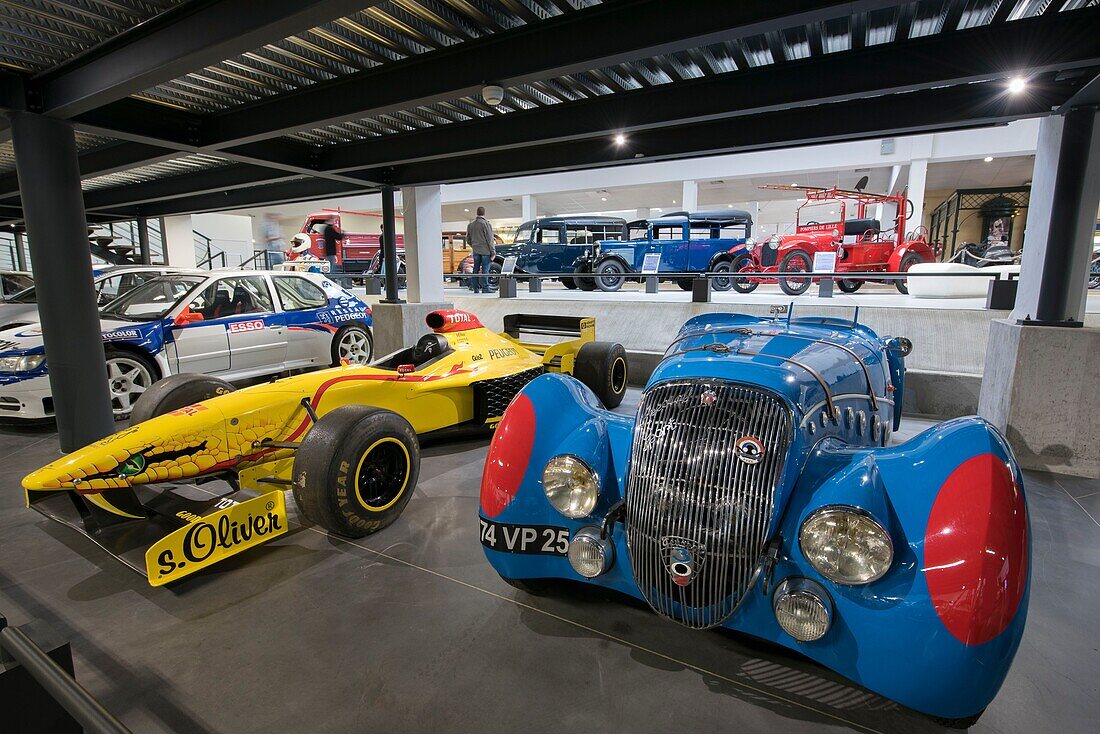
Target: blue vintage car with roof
x=757, y=489
x=685, y=242
x=557, y=245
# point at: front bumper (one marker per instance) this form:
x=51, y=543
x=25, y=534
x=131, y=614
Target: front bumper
x=27, y=398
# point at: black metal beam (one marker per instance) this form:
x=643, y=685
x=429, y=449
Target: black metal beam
x=102, y=161
x=627, y=30
x=284, y=192
x=928, y=110
x=223, y=178
x=175, y=43
x=944, y=59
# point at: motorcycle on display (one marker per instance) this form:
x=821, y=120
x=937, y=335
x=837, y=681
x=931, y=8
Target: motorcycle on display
x=1094, y=269
x=985, y=255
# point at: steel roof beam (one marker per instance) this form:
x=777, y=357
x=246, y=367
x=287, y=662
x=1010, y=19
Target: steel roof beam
x=102, y=161
x=221, y=178
x=172, y=44
x=278, y=193
x=1037, y=45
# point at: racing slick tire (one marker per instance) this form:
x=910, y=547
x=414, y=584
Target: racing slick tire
x=722, y=282
x=352, y=342
x=801, y=285
x=356, y=469
x=906, y=262
x=129, y=376
x=684, y=283
x=175, y=392
x=849, y=286
x=584, y=283
x=743, y=285
x=609, y=275
x=601, y=366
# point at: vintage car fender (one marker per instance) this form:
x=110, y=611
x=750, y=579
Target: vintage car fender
x=917, y=248
x=612, y=256
x=936, y=633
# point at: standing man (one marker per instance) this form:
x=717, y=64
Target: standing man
x=332, y=235
x=479, y=233
x=273, y=242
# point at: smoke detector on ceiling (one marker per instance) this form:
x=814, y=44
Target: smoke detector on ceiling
x=493, y=94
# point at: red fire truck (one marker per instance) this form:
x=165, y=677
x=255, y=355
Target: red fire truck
x=356, y=252
x=823, y=225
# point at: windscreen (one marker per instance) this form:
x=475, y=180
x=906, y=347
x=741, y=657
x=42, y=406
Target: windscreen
x=152, y=300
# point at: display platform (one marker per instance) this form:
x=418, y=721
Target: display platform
x=410, y=630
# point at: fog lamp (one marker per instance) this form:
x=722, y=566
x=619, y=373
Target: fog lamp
x=589, y=554
x=803, y=609
x=846, y=545
x=571, y=486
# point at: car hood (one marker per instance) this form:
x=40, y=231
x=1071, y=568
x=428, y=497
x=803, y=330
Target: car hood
x=28, y=337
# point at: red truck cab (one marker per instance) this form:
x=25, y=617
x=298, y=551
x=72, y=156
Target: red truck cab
x=360, y=249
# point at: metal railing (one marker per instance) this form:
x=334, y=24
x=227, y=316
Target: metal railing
x=57, y=682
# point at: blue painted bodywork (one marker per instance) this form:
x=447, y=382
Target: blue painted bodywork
x=886, y=635
x=557, y=244
x=679, y=241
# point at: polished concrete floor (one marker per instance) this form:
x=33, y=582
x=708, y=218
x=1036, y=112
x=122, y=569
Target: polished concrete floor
x=410, y=630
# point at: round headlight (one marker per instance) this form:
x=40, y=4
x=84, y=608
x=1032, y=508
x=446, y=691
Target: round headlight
x=802, y=609
x=774, y=240
x=589, y=554
x=571, y=486
x=846, y=545
x=750, y=241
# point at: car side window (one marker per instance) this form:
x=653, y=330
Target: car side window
x=233, y=297
x=700, y=233
x=668, y=233
x=298, y=294
x=109, y=289
x=549, y=236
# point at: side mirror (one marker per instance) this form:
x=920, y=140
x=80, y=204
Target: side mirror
x=187, y=316
x=901, y=345
x=405, y=369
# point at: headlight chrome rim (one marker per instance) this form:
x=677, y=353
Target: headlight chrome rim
x=835, y=577
x=552, y=488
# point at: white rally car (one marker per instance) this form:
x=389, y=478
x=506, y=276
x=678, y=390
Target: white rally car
x=233, y=324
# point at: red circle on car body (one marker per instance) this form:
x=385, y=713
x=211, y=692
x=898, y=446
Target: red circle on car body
x=509, y=454
x=976, y=550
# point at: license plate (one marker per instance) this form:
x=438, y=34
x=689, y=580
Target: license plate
x=546, y=540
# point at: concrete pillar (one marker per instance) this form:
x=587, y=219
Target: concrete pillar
x=918, y=176
x=423, y=235
x=53, y=204
x=689, y=200
x=179, y=241
x=641, y=212
x=753, y=208
x=1061, y=220
x=143, y=239
x=20, y=251
x=527, y=208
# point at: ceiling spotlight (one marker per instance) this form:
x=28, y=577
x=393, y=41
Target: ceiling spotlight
x=1016, y=85
x=603, y=198
x=466, y=210
x=988, y=159
x=620, y=139
x=493, y=94
x=729, y=206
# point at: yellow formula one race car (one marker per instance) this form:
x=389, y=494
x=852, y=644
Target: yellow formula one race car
x=344, y=440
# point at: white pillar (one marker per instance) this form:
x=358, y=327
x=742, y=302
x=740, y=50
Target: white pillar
x=753, y=208
x=527, y=208
x=179, y=241
x=423, y=248
x=689, y=200
x=641, y=212
x=918, y=175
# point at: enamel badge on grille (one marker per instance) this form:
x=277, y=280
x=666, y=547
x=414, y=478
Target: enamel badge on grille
x=682, y=558
x=749, y=449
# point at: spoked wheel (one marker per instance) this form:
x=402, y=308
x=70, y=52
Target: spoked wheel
x=744, y=284
x=356, y=470
x=795, y=262
x=128, y=376
x=907, y=262
x=722, y=283
x=352, y=344
x=610, y=275
x=849, y=286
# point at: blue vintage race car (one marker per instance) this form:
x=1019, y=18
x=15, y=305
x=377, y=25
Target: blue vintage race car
x=755, y=490
x=236, y=325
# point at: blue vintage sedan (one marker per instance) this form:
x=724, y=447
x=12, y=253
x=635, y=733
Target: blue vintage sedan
x=557, y=245
x=686, y=242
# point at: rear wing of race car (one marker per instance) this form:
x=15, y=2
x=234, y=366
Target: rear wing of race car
x=557, y=356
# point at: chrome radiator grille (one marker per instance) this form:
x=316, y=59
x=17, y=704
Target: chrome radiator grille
x=697, y=514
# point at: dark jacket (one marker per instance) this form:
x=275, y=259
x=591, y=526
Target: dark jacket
x=332, y=235
x=479, y=235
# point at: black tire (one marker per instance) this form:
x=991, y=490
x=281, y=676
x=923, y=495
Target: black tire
x=569, y=282
x=906, y=262
x=743, y=285
x=684, y=283
x=129, y=376
x=584, y=283
x=534, y=587
x=492, y=280
x=402, y=279
x=602, y=367
x=175, y=392
x=349, y=451
x=963, y=723
x=849, y=286
x=352, y=342
x=722, y=283
x=798, y=286
x=609, y=275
